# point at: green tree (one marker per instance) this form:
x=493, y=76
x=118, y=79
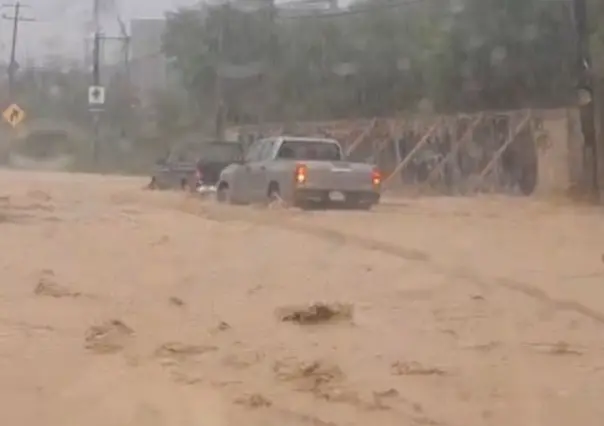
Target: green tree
x=377, y=57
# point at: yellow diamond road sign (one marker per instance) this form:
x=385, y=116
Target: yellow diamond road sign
x=14, y=115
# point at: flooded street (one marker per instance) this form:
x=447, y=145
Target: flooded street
x=120, y=306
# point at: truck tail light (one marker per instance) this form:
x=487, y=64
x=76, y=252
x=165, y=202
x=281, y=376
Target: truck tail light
x=300, y=174
x=376, y=177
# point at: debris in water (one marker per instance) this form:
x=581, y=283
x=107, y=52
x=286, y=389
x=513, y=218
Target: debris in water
x=254, y=400
x=316, y=313
x=48, y=287
x=182, y=350
x=109, y=337
x=176, y=301
x=400, y=368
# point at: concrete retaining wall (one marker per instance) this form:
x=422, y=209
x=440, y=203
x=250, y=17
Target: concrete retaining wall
x=559, y=144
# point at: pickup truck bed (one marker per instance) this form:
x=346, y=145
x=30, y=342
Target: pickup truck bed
x=302, y=172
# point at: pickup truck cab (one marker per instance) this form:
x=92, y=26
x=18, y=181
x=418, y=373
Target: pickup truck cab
x=303, y=172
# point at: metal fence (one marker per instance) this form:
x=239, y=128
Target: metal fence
x=460, y=154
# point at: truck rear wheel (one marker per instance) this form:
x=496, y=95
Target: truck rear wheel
x=223, y=193
x=153, y=184
x=274, y=193
x=184, y=184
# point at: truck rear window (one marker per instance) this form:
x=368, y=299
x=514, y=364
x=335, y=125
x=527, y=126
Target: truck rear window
x=310, y=150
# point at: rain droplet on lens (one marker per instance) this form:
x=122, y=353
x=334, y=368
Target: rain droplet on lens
x=498, y=55
x=403, y=64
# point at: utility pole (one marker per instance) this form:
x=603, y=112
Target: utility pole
x=598, y=101
x=96, y=77
x=125, y=38
x=126, y=58
x=585, y=89
x=96, y=47
x=218, y=84
x=12, y=64
x=270, y=12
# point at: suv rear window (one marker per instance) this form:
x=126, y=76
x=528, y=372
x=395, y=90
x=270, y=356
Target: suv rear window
x=220, y=152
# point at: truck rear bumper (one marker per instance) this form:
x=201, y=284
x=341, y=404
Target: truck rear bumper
x=324, y=196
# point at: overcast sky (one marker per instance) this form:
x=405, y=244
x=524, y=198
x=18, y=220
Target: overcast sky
x=62, y=24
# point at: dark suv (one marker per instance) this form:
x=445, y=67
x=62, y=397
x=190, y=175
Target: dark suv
x=201, y=164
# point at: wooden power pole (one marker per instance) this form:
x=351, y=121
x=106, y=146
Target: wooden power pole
x=96, y=78
x=587, y=95
x=13, y=64
x=218, y=78
x=598, y=101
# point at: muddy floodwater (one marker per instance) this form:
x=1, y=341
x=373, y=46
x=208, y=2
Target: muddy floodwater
x=120, y=306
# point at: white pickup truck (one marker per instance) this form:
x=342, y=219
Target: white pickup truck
x=303, y=172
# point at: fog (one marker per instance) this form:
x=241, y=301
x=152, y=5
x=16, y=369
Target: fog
x=62, y=25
